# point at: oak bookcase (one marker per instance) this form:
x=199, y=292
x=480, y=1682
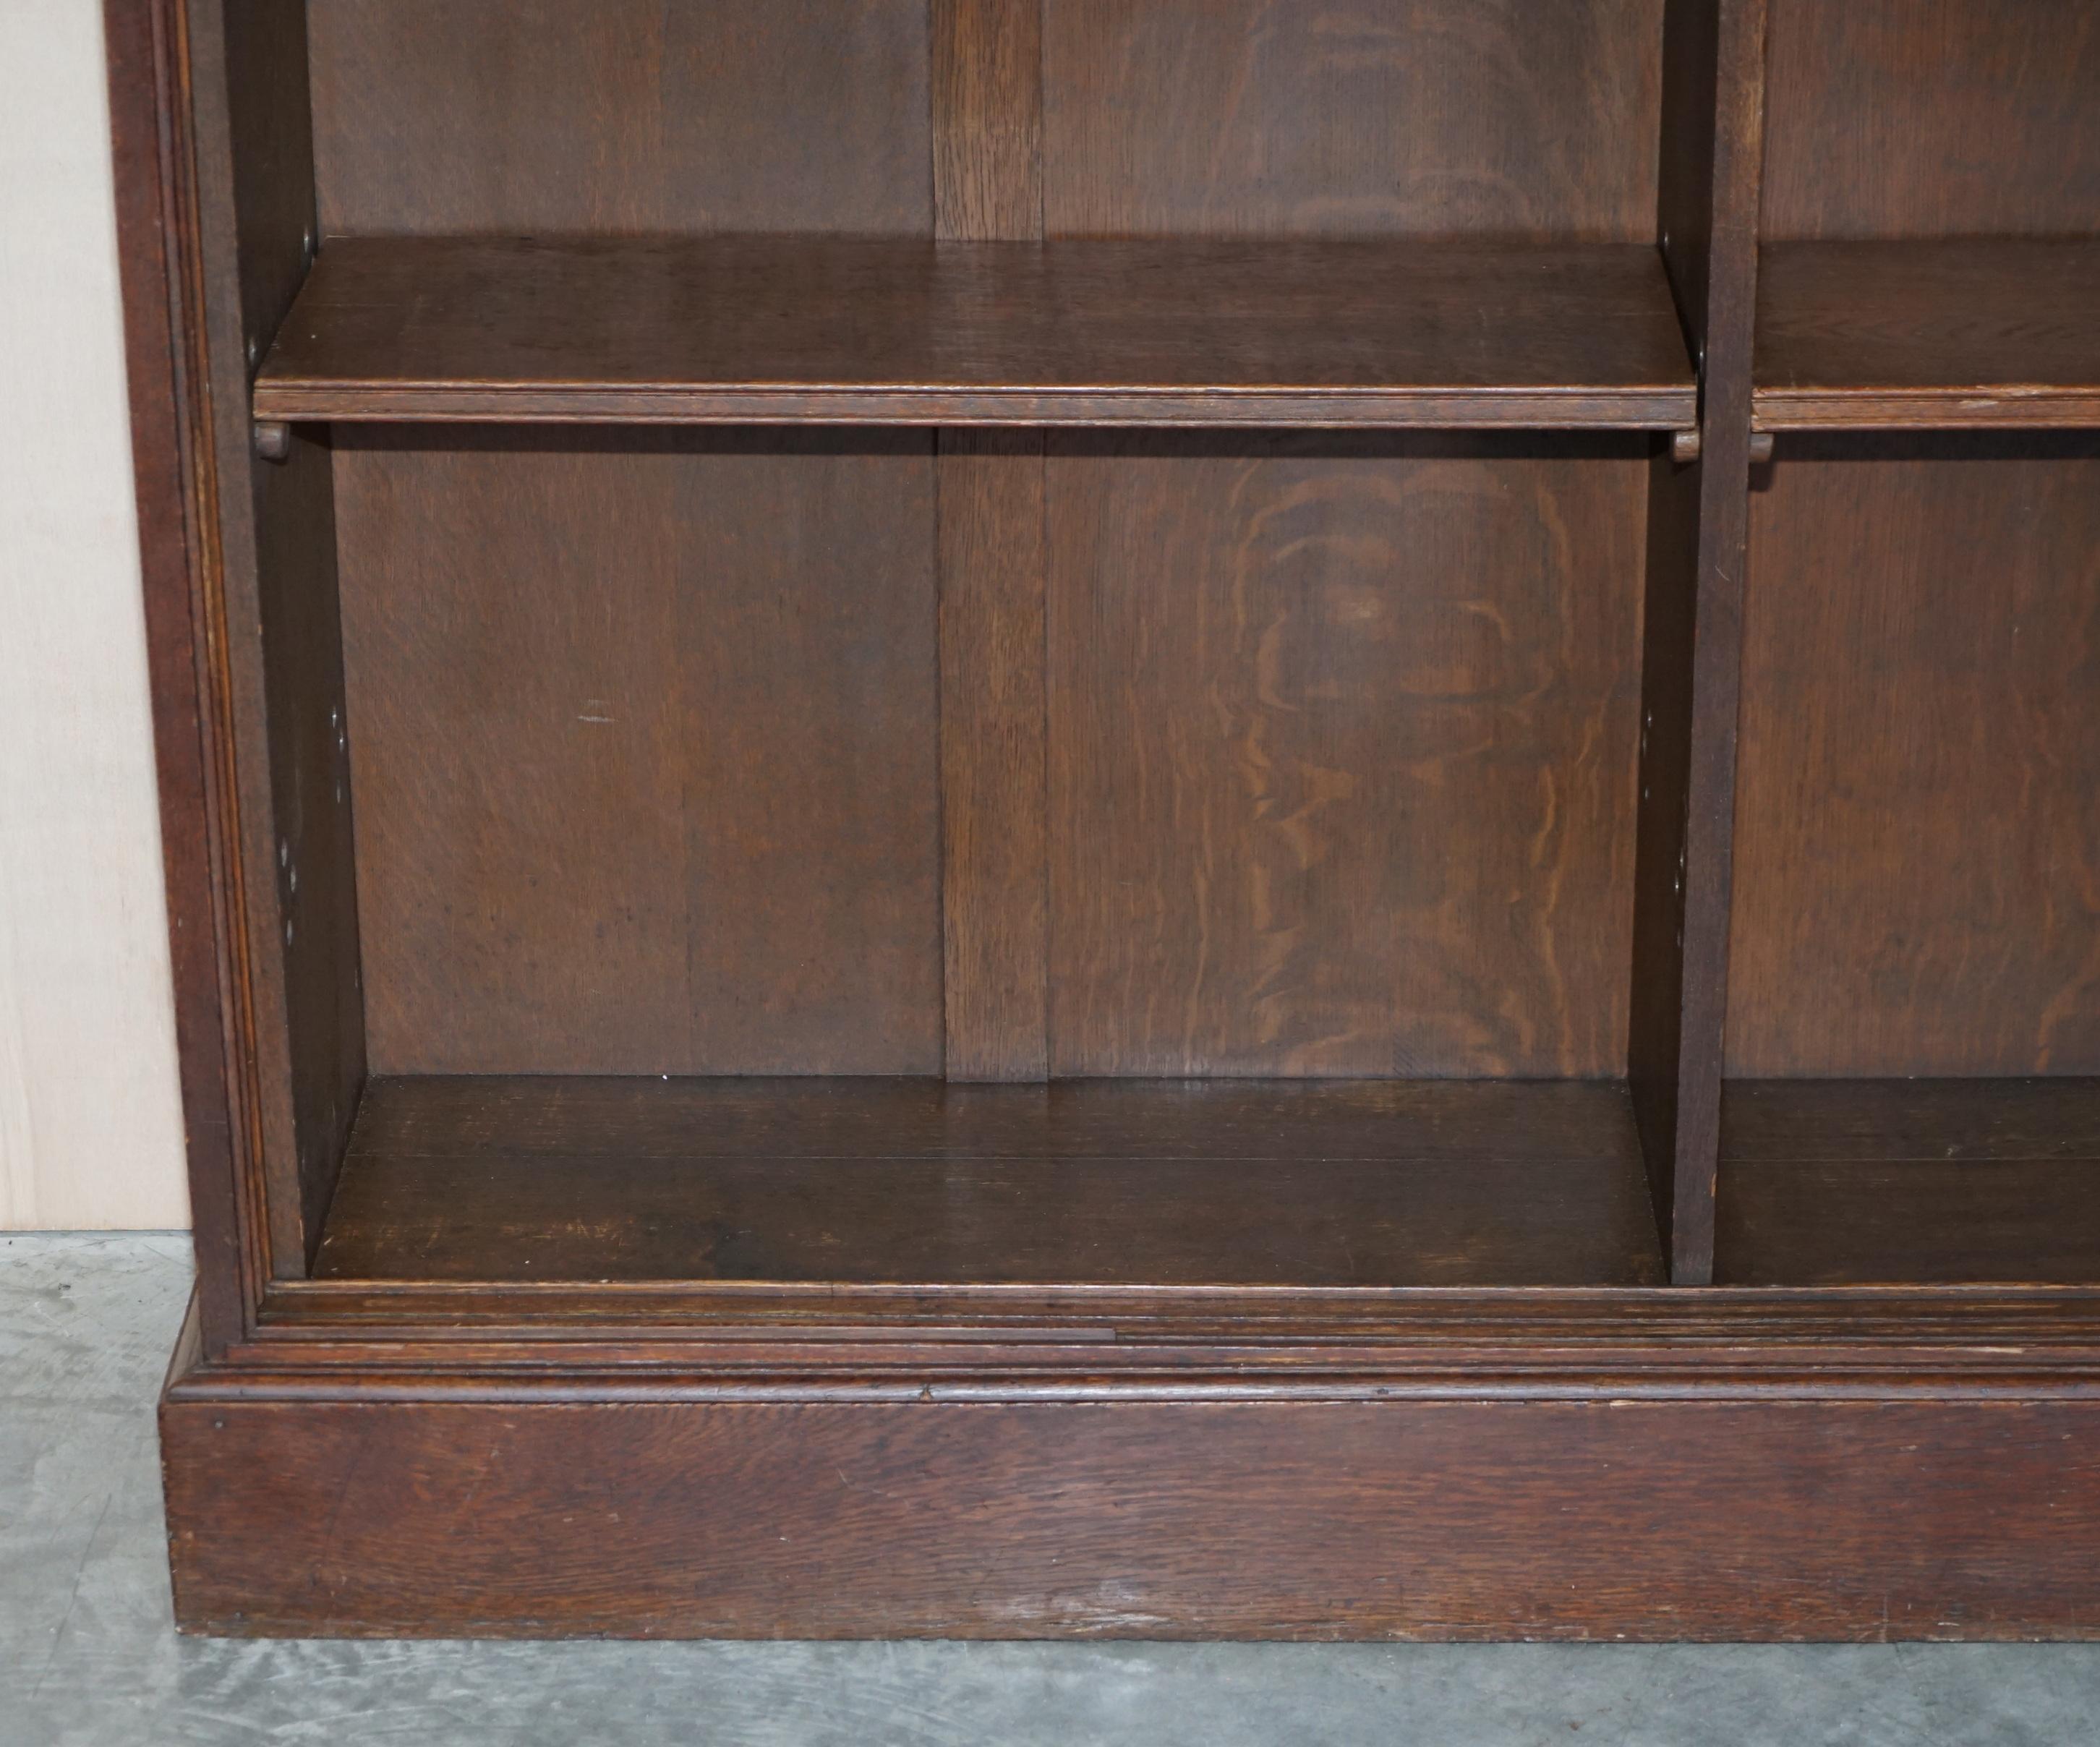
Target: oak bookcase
x=1128, y=817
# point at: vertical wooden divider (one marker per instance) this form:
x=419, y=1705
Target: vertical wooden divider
x=987, y=93
x=1698, y=522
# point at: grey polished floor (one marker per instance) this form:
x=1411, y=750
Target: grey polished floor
x=87, y=1654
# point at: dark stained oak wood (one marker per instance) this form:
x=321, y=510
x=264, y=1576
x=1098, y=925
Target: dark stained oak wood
x=1342, y=754
x=1859, y=1182
x=1925, y=118
x=272, y=537
x=163, y=344
x=1664, y=1061
x=866, y=330
x=987, y=120
x=682, y=752
x=718, y=1338
x=1911, y=1121
x=646, y=731
x=1867, y=1519
x=1691, y=622
x=261, y=50
x=993, y=790
x=311, y=854
x=1919, y=852
x=621, y=116
x=2003, y=1221
x=1122, y=1183
x=1445, y=1122
x=1922, y=334
x=1355, y=118
x=988, y=186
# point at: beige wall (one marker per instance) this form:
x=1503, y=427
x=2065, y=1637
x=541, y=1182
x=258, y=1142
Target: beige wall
x=90, y=1126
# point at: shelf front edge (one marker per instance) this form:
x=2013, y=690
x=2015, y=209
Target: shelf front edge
x=1643, y=409
x=2021, y=409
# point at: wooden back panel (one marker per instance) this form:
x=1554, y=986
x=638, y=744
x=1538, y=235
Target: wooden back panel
x=1933, y=118
x=645, y=749
x=621, y=116
x=1351, y=117
x=1356, y=116
x=1917, y=863
x=1342, y=736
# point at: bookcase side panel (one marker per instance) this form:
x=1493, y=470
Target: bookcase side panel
x=271, y=540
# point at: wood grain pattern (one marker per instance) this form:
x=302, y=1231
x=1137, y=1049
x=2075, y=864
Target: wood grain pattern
x=809, y=651
x=987, y=120
x=1896, y=334
x=1933, y=118
x=621, y=116
x=1689, y=125
x=2015, y=1222
x=994, y=788
x=1342, y=747
x=1853, y=1182
x=262, y=49
x=646, y=726
x=273, y=539
x=736, y=330
x=1918, y=881
x=1320, y=1520
x=311, y=868
x=1443, y=1122
x=903, y=1182
x=1692, y=625
x=988, y=186
x=1352, y=118
x=693, y=1339
x=1911, y=1121
x=1660, y=1051
x=151, y=145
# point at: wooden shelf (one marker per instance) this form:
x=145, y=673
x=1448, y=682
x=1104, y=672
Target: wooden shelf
x=1928, y=335
x=876, y=331
x=1925, y=1182
x=912, y=1182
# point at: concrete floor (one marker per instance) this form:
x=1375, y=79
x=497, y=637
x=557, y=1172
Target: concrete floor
x=88, y=1655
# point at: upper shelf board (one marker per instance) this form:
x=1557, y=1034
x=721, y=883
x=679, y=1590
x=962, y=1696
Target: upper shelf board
x=1928, y=335
x=826, y=330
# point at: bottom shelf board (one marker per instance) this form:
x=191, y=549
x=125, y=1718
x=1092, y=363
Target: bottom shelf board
x=1233, y=1183
x=1909, y=1182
